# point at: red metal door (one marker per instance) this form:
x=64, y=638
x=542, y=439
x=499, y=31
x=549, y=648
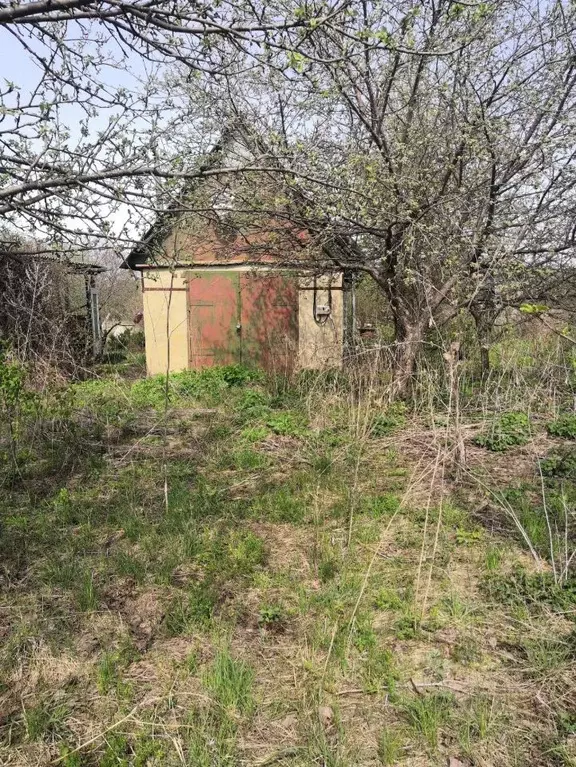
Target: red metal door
x=269, y=319
x=213, y=307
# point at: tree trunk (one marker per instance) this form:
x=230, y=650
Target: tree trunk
x=483, y=320
x=484, y=359
x=409, y=337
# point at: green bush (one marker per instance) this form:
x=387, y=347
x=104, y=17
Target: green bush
x=287, y=424
x=208, y=384
x=563, y=426
x=252, y=404
x=560, y=464
x=508, y=430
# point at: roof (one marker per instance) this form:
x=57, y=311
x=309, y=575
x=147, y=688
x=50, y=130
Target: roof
x=75, y=264
x=156, y=233
x=339, y=247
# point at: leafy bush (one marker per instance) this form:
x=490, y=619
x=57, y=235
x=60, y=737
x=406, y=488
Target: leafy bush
x=506, y=431
x=287, y=424
x=560, y=464
x=252, y=404
x=563, y=426
x=207, y=384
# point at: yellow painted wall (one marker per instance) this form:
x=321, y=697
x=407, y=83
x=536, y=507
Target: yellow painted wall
x=320, y=346
x=165, y=321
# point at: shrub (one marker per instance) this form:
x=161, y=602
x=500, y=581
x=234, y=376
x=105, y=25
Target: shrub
x=506, y=431
x=560, y=464
x=563, y=426
x=287, y=424
x=252, y=404
x=208, y=384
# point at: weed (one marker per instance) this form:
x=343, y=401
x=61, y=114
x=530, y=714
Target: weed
x=212, y=740
x=279, y=505
x=466, y=652
x=287, y=424
x=508, y=430
x=407, y=627
x=454, y=606
x=235, y=553
x=563, y=426
x=254, y=433
x=390, y=747
x=230, y=683
x=190, y=611
x=61, y=571
x=252, y=404
x=543, y=522
x=379, y=672
x=69, y=759
x=386, y=599
x=207, y=385
x=468, y=537
x=245, y=458
x=493, y=558
x=428, y=713
x=364, y=634
x=380, y=506
x=116, y=751
x=322, y=462
x=544, y=654
x=272, y=617
x=538, y=589
x=560, y=464
x=328, y=569
x=45, y=720
x=389, y=421
x=108, y=671
x=87, y=596
x=129, y=565
x=478, y=722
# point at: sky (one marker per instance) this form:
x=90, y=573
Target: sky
x=18, y=66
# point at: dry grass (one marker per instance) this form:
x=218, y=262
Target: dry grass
x=314, y=598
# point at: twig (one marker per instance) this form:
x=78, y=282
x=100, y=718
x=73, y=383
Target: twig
x=283, y=753
x=100, y=734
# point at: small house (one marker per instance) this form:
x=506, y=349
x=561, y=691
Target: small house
x=220, y=288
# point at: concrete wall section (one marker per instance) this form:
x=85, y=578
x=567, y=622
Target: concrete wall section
x=165, y=321
x=320, y=345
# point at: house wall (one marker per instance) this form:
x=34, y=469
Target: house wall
x=165, y=321
x=166, y=324
x=320, y=346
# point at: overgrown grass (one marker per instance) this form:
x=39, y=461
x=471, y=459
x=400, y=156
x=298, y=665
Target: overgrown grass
x=251, y=576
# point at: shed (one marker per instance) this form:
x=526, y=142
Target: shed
x=220, y=289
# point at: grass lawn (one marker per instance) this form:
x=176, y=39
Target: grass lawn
x=260, y=575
